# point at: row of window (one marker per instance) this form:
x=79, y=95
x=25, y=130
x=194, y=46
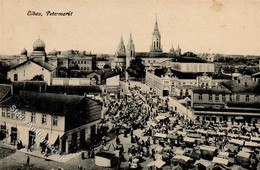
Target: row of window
x=223, y=97
x=84, y=68
x=6, y=113
x=81, y=62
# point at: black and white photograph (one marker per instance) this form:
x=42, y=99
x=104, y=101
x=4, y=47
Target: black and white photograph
x=129, y=85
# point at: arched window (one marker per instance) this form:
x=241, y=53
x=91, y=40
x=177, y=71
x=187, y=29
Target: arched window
x=157, y=44
x=181, y=92
x=15, y=77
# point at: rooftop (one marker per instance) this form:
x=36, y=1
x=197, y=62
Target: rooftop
x=40, y=63
x=56, y=104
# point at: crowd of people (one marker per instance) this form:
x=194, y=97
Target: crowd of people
x=159, y=137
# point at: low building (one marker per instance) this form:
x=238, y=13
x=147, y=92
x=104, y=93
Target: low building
x=32, y=70
x=66, y=121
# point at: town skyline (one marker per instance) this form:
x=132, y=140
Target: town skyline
x=207, y=27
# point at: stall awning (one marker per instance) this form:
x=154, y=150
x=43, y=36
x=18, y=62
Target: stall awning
x=179, y=152
x=224, y=154
x=256, y=139
x=232, y=135
x=220, y=161
x=221, y=133
x=53, y=139
x=244, y=137
x=160, y=135
x=185, y=158
x=243, y=154
x=159, y=163
x=237, y=142
x=187, y=139
x=208, y=148
x=252, y=144
x=203, y=162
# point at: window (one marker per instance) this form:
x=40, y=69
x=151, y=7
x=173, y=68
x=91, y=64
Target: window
x=85, y=62
x=3, y=112
x=7, y=113
x=247, y=98
x=15, y=77
x=44, y=119
x=217, y=97
x=12, y=115
x=210, y=97
x=33, y=117
x=230, y=98
x=148, y=61
x=55, y=121
x=200, y=96
x=224, y=98
x=24, y=73
x=238, y=98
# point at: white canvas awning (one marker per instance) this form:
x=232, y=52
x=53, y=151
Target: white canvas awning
x=252, y=144
x=223, y=154
x=203, y=162
x=160, y=135
x=243, y=154
x=185, y=158
x=187, y=139
x=236, y=141
x=220, y=161
x=179, y=152
x=208, y=148
x=232, y=135
x=256, y=139
x=244, y=137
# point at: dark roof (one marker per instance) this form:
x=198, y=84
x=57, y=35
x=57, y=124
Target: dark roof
x=243, y=105
x=227, y=110
x=75, y=90
x=182, y=75
x=40, y=63
x=154, y=55
x=185, y=59
x=213, y=90
x=29, y=86
x=236, y=87
x=56, y=104
x=4, y=91
x=3, y=79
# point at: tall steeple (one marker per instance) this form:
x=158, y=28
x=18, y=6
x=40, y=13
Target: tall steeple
x=156, y=40
x=130, y=47
x=121, y=46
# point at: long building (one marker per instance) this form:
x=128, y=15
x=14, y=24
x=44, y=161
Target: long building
x=67, y=121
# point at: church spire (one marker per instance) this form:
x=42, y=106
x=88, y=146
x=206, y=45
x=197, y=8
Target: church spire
x=130, y=45
x=121, y=46
x=156, y=40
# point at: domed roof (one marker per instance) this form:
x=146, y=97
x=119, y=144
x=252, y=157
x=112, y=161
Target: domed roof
x=38, y=45
x=24, y=52
x=53, y=52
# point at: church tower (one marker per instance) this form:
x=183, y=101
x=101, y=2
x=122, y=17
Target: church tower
x=130, y=53
x=156, y=41
x=121, y=46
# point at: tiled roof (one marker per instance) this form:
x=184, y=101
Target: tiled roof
x=40, y=63
x=50, y=103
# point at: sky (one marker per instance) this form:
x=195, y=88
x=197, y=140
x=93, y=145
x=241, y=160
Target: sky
x=200, y=26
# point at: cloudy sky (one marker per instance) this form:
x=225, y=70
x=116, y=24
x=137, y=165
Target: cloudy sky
x=212, y=26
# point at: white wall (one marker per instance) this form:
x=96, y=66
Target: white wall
x=28, y=71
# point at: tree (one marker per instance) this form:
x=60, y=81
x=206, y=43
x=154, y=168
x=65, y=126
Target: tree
x=137, y=68
x=38, y=78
